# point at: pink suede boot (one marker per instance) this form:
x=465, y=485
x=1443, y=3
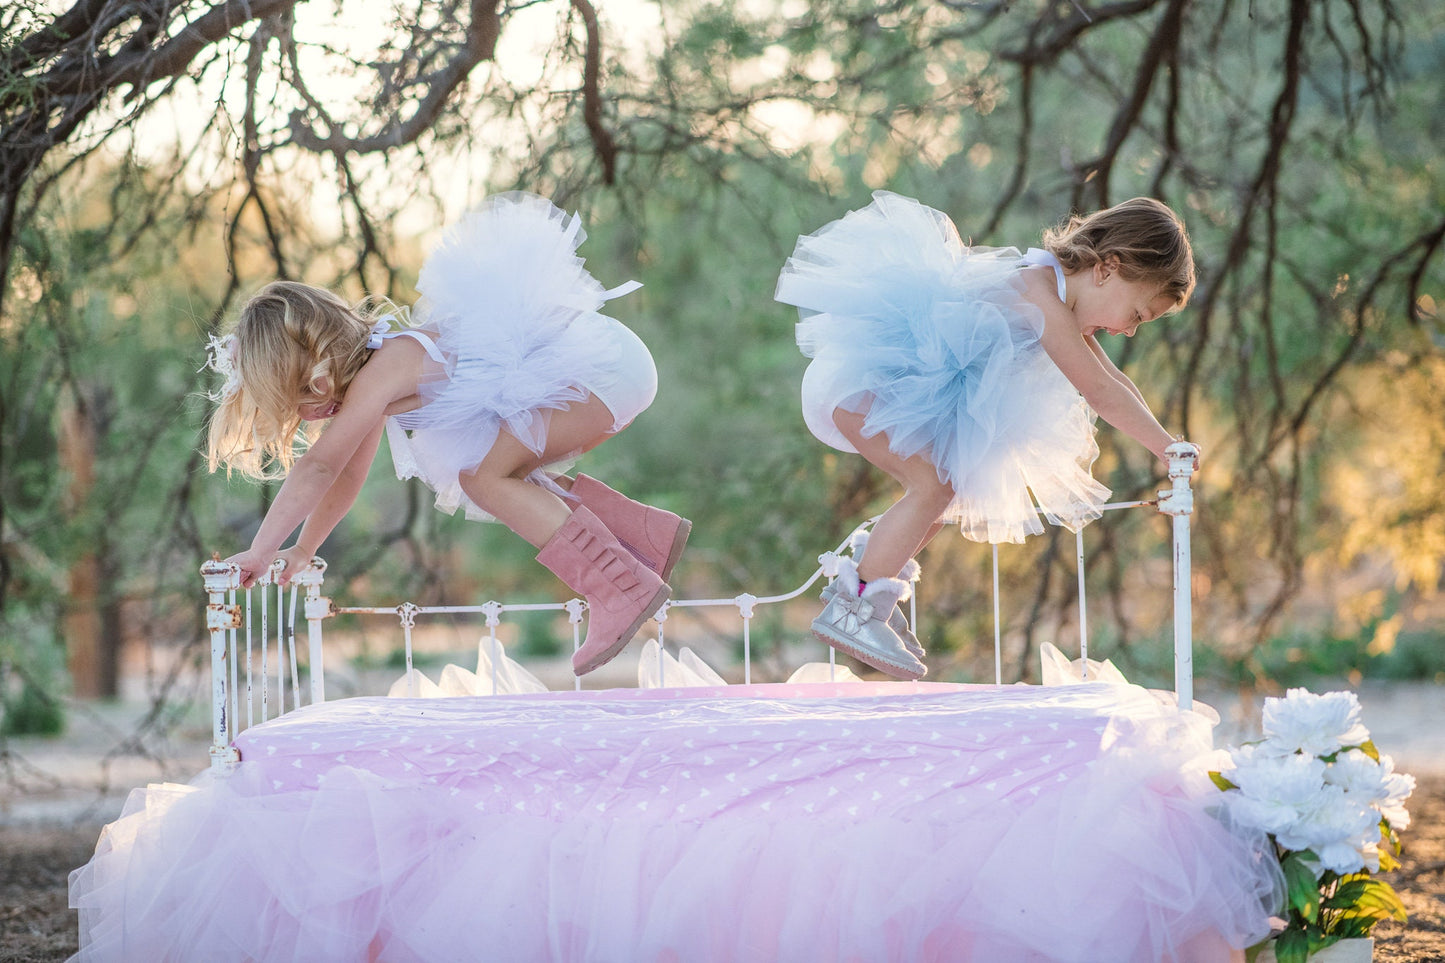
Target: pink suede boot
x=621, y=592
x=654, y=535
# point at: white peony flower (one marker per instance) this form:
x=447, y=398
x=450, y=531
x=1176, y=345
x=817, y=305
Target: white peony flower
x=1373, y=783
x=1274, y=791
x=1349, y=856
x=1358, y=775
x=1319, y=796
x=1337, y=828
x=1398, y=787
x=1316, y=725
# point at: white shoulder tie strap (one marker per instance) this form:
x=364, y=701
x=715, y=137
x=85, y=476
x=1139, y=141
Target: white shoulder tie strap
x=587, y=301
x=627, y=287
x=382, y=330
x=379, y=330
x=1038, y=257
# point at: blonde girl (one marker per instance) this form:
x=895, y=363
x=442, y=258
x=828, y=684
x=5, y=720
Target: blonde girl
x=510, y=369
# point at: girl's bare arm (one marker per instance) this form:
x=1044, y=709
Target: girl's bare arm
x=1113, y=369
x=1118, y=404
x=350, y=440
x=335, y=503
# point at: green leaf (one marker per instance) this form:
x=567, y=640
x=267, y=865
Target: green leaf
x=1389, y=836
x=1221, y=782
x=1353, y=927
x=1304, y=893
x=1292, y=946
x=1368, y=748
x=1363, y=898
x=1348, y=891
x=1380, y=899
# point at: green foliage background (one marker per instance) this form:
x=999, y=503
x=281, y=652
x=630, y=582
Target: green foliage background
x=1310, y=368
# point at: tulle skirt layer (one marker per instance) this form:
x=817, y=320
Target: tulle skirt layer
x=934, y=341
x=868, y=822
x=515, y=313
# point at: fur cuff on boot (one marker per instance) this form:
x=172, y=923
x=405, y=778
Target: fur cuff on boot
x=847, y=578
x=883, y=594
x=911, y=570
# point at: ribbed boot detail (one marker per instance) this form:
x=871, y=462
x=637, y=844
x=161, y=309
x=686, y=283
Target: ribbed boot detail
x=621, y=593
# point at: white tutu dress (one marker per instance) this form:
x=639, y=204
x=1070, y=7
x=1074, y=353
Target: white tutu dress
x=509, y=318
x=934, y=341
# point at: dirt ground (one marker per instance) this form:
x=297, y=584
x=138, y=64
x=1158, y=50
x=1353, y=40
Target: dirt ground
x=36, y=924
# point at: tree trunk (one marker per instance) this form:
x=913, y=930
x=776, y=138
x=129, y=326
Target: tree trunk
x=90, y=617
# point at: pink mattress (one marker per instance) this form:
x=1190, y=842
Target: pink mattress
x=869, y=822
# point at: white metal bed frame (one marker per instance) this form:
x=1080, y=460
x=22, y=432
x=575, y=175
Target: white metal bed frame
x=237, y=628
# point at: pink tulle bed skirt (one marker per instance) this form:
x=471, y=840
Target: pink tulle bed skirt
x=870, y=822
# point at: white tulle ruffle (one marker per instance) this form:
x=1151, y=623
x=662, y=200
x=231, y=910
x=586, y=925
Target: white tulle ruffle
x=871, y=821
x=515, y=314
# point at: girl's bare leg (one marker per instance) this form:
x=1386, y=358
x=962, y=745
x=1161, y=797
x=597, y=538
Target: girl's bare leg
x=565, y=482
x=499, y=485
x=933, y=531
x=912, y=520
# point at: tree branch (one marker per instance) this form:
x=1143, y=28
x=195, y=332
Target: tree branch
x=1162, y=45
x=139, y=66
x=480, y=46
x=602, y=142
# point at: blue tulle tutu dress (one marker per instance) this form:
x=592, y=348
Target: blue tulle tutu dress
x=934, y=341
x=509, y=318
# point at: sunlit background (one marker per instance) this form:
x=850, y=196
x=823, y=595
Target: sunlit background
x=1306, y=163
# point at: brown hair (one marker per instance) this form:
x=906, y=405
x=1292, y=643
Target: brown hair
x=1148, y=239
x=288, y=337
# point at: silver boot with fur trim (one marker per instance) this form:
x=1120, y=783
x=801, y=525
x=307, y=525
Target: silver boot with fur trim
x=858, y=624
x=897, y=621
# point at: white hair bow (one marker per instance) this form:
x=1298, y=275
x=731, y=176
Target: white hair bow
x=221, y=358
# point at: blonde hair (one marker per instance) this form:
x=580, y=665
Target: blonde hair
x=288, y=337
x=1147, y=238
